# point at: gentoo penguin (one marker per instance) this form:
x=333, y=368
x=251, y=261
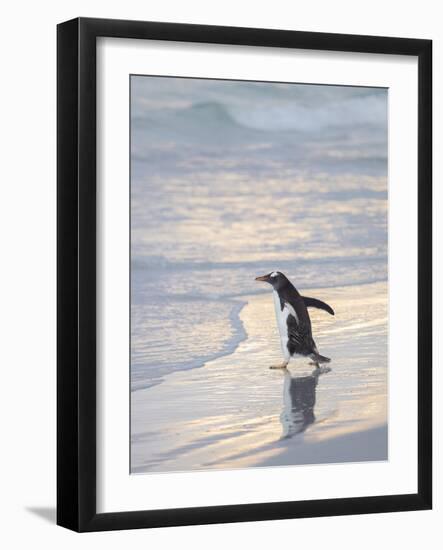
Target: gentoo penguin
x=293, y=319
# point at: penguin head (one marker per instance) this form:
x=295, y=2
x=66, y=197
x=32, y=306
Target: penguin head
x=275, y=278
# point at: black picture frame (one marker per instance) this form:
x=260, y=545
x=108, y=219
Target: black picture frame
x=76, y=273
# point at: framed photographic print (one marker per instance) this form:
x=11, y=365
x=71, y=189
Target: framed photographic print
x=244, y=274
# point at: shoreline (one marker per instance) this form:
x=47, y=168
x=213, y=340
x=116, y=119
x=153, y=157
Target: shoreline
x=240, y=332
x=238, y=336
x=235, y=412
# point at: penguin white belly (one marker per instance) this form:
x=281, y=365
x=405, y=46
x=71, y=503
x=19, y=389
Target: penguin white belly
x=282, y=317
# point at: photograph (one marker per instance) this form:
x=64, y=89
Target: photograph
x=259, y=274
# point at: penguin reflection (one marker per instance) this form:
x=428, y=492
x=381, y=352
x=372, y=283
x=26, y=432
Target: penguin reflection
x=299, y=401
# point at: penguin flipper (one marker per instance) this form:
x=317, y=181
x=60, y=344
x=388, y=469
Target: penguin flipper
x=313, y=302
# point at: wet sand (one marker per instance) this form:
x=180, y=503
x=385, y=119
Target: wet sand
x=234, y=412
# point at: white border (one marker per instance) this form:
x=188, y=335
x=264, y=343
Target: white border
x=116, y=489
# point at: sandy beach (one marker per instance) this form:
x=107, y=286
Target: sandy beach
x=234, y=412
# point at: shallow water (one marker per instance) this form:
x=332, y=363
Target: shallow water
x=231, y=180
x=235, y=412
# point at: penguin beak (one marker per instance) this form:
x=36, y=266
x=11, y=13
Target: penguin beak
x=264, y=278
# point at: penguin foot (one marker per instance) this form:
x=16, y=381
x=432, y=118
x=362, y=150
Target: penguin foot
x=281, y=366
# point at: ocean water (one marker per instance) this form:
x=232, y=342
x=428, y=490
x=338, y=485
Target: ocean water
x=230, y=180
